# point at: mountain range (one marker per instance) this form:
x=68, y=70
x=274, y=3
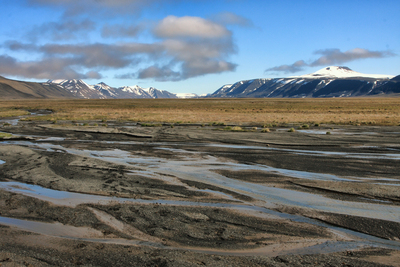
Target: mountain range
x=80, y=89
x=331, y=81
x=12, y=89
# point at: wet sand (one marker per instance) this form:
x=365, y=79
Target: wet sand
x=194, y=195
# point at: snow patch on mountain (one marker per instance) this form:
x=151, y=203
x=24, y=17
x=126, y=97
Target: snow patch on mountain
x=132, y=89
x=341, y=72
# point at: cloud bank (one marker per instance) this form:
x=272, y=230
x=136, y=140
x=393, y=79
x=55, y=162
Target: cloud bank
x=183, y=47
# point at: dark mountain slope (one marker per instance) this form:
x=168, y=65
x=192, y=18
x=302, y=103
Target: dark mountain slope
x=390, y=87
x=331, y=81
x=12, y=89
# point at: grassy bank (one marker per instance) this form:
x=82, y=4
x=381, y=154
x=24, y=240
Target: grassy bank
x=11, y=112
x=363, y=111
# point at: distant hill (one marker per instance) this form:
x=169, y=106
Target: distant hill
x=331, y=81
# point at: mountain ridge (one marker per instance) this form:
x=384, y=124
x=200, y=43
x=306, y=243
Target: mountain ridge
x=81, y=89
x=332, y=81
x=74, y=88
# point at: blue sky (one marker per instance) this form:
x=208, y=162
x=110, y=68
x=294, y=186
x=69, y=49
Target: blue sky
x=194, y=46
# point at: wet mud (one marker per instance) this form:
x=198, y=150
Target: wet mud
x=190, y=195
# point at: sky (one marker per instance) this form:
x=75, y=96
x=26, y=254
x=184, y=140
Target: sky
x=194, y=46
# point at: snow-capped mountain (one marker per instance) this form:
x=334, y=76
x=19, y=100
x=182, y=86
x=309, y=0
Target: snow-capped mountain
x=135, y=90
x=155, y=93
x=79, y=88
x=106, y=90
x=341, y=73
x=331, y=81
x=132, y=89
x=101, y=90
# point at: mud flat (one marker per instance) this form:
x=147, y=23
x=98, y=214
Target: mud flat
x=195, y=195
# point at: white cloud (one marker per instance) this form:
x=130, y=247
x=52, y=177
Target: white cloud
x=175, y=27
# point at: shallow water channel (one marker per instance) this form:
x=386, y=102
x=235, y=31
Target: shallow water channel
x=352, y=239
x=201, y=167
x=197, y=167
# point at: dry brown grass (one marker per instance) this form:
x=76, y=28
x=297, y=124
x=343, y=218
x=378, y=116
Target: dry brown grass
x=7, y=112
x=369, y=111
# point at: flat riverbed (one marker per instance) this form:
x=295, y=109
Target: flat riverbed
x=190, y=195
